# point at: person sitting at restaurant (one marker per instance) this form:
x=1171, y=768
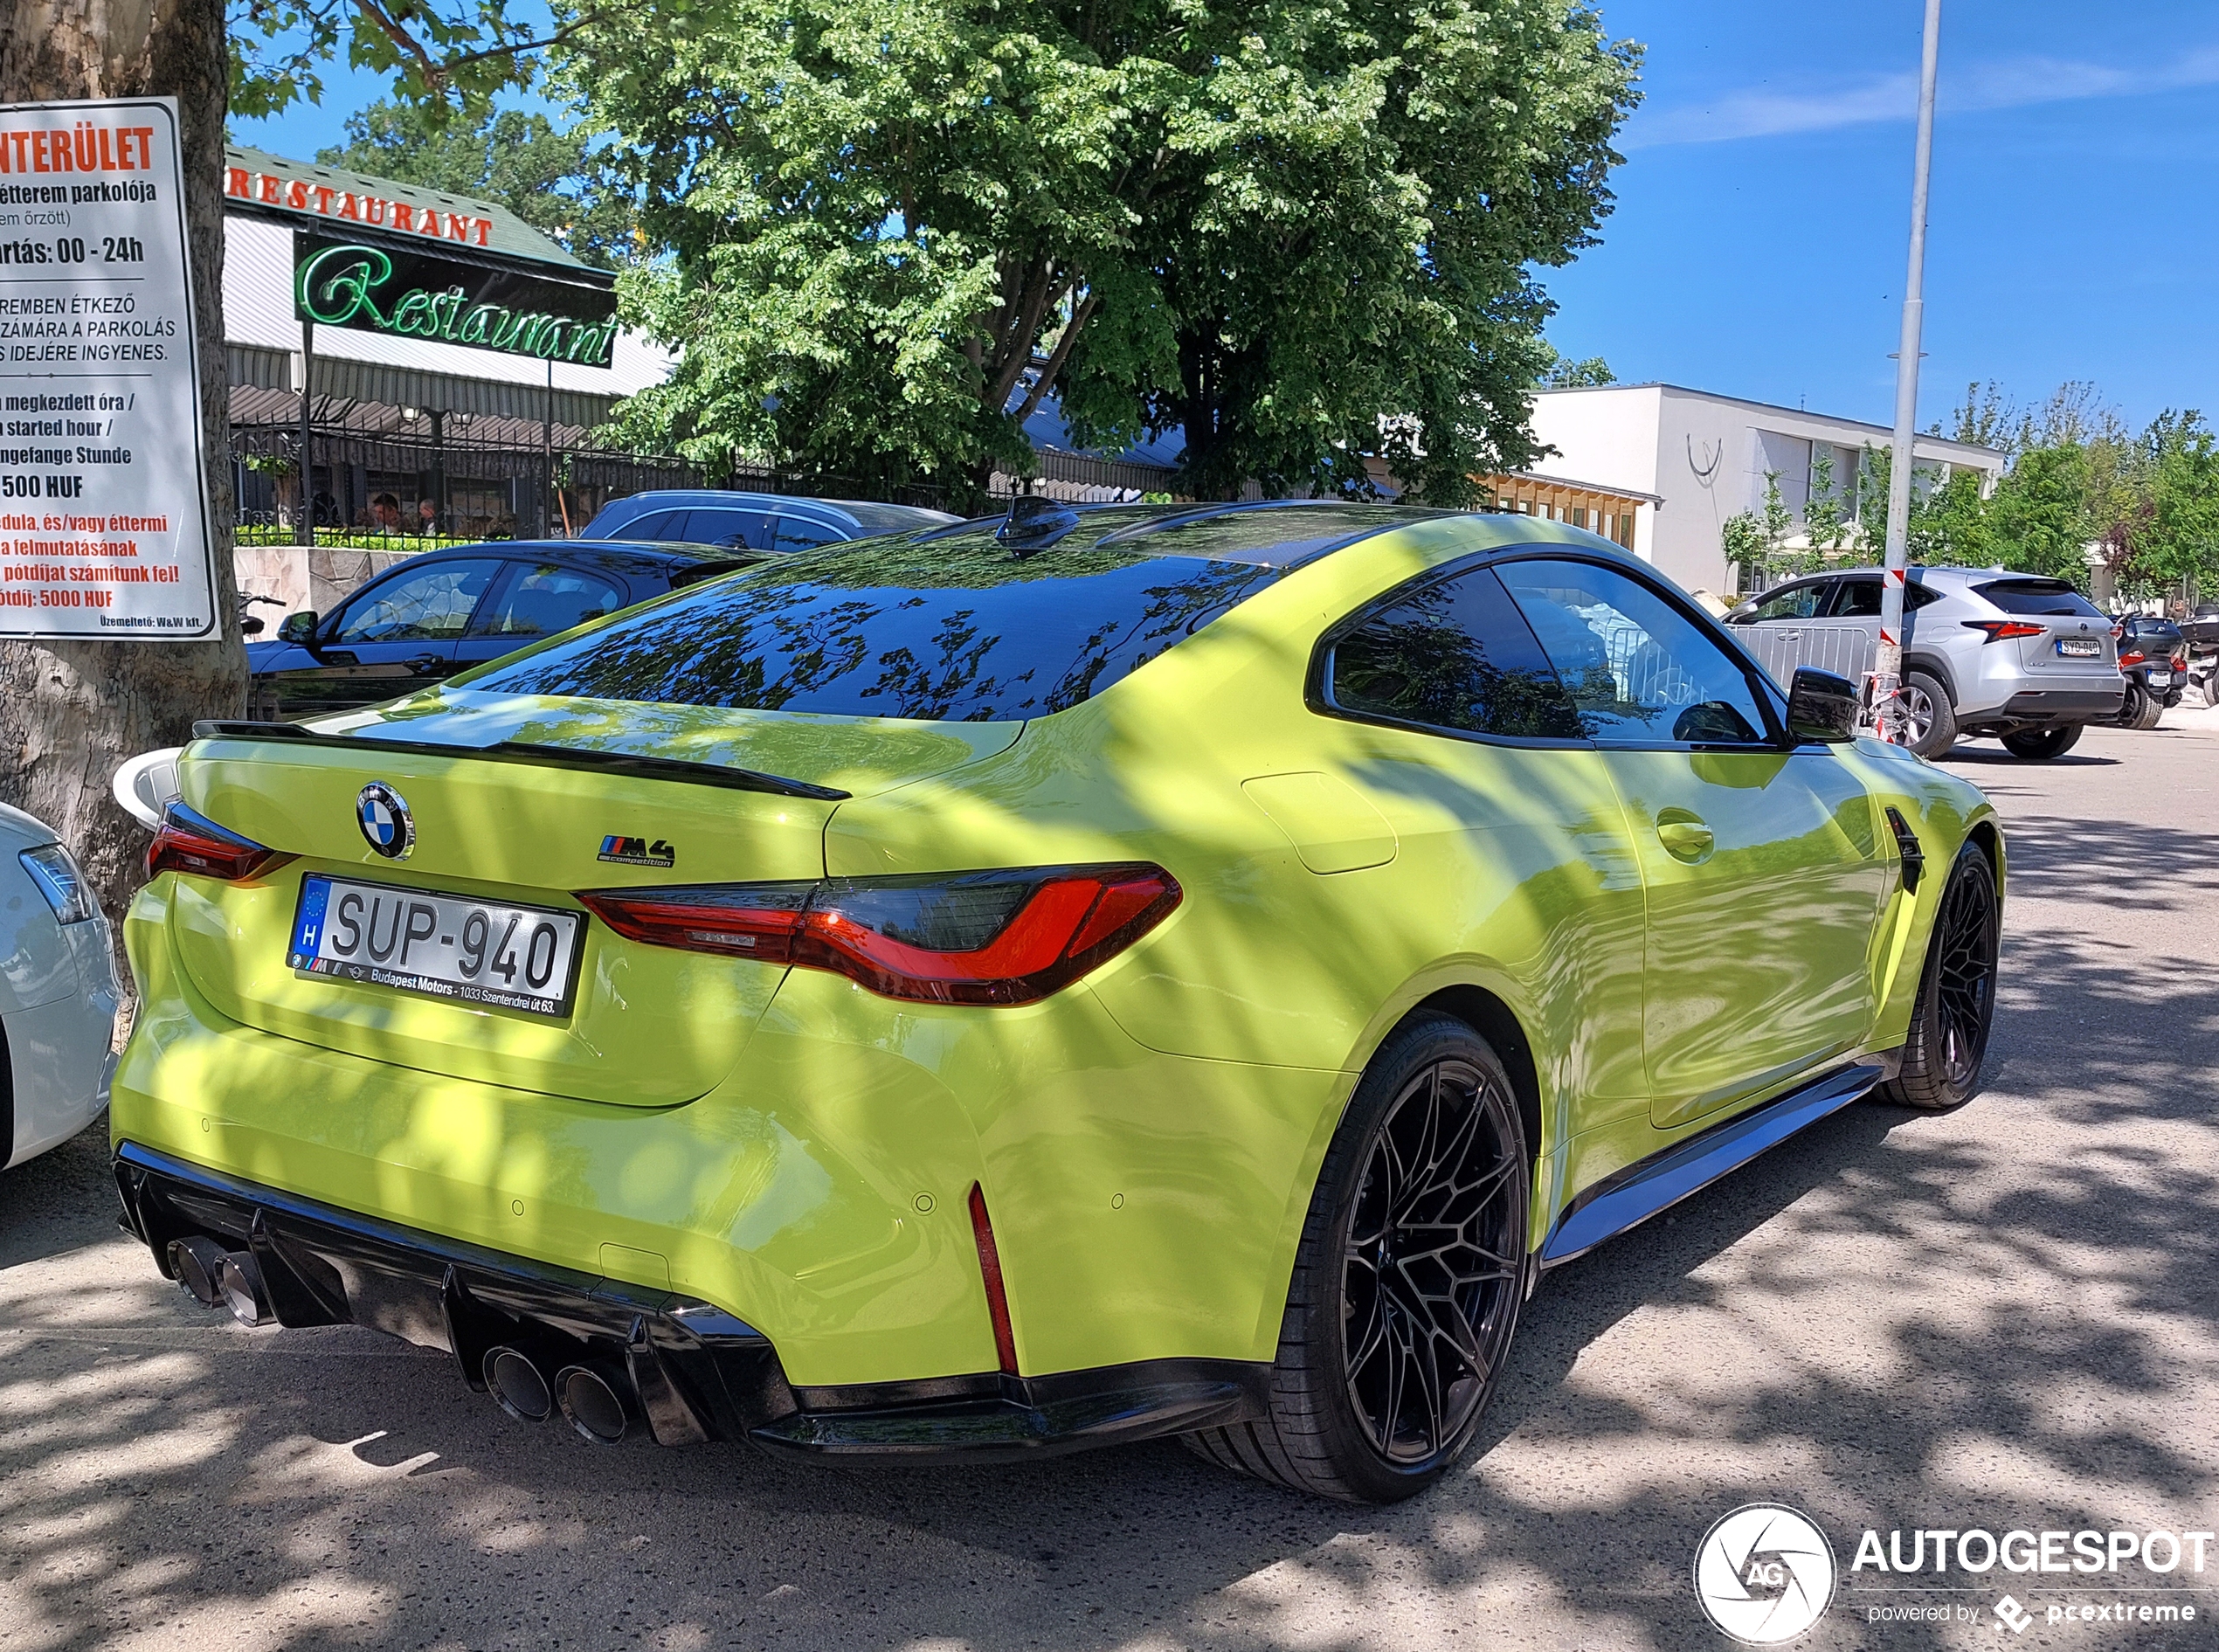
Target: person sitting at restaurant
x=427, y=516
x=386, y=514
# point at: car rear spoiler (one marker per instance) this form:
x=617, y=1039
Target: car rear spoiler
x=622, y=763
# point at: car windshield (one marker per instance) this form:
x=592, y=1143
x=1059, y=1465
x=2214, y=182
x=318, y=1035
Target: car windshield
x=2038, y=596
x=953, y=624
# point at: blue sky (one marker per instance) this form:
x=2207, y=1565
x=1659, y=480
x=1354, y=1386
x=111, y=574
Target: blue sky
x=1757, y=244
x=1757, y=247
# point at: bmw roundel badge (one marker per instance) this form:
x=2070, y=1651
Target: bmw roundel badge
x=386, y=825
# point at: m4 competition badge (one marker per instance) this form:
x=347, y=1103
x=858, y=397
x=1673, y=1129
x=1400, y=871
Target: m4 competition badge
x=386, y=825
x=637, y=852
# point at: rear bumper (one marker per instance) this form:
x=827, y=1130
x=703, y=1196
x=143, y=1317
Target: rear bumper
x=2034, y=708
x=689, y=1370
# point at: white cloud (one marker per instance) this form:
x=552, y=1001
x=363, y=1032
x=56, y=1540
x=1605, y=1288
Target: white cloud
x=2003, y=83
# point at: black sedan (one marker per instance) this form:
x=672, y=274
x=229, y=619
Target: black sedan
x=422, y=621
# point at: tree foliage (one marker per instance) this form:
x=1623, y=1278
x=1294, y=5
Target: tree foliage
x=435, y=53
x=516, y=158
x=1564, y=373
x=1300, y=235
x=2146, y=502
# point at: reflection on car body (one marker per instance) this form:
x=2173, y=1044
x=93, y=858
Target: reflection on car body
x=1116, y=972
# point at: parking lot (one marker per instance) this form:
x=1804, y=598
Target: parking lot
x=2004, y=1318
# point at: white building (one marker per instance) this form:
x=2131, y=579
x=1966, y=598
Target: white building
x=1706, y=458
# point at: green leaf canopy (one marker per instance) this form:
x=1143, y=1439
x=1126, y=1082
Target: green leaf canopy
x=1301, y=234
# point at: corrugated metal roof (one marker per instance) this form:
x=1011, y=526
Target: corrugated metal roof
x=508, y=234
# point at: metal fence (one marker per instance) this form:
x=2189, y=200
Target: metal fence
x=1847, y=651
x=372, y=484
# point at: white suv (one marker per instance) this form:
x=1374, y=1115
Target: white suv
x=1985, y=651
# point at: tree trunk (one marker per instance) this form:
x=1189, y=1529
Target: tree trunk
x=72, y=712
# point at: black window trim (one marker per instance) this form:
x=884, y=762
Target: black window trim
x=1316, y=688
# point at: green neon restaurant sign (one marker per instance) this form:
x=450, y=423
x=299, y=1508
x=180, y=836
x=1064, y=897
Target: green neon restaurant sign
x=407, y=294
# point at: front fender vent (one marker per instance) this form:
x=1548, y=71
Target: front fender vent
x=1914, y=858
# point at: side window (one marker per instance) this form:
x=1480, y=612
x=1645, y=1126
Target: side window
x=1789, y=602
x=1454, y=655
x=727, y=529
x=546, y=597
x=1860, y=598
x=799, y=533
x=431, y=603
x=1639, y=672
x=656, y=524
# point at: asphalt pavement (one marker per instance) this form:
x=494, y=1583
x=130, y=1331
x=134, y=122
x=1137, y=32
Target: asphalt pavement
x=2005, y=1318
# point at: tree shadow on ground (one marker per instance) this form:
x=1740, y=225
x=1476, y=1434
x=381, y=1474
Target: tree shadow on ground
x=2005, y=1316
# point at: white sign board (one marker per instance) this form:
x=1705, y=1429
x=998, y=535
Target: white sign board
x=103, y=518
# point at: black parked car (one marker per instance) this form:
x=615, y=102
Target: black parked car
x=735, y=521
x=2153, y=656
x=424, y=620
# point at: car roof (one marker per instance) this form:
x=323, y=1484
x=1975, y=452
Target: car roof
x=1924, y=571
x=730, y=498
x=1268, y=533
x=867, y=515
x=613, y=555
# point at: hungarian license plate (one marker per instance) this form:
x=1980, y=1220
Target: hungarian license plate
x=2080, y=647
x=518, y=958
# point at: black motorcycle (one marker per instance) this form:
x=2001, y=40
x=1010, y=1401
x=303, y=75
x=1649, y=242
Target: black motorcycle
x=2201, y=635
x=2153, y=658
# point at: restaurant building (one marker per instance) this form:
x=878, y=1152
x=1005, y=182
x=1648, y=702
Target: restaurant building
x=440, y=360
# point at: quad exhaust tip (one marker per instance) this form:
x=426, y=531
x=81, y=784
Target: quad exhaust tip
x=197, y=1264
x=517, y=1385
x=215, y=1277
x=241, y=1282
x=591, y=1405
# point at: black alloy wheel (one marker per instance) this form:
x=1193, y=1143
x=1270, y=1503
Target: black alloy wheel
x=1408, y=1279
x=1956, y=1006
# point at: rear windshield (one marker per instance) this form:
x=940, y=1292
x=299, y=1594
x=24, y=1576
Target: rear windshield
x=951, y=625
x=2038, y=596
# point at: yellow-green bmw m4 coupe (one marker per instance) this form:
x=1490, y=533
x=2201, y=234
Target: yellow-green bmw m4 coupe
x=1036, y=984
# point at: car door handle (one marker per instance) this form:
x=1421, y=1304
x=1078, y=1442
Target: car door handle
x=1685, y=837
x=425, y=662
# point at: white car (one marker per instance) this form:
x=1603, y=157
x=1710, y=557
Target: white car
x=58, y=992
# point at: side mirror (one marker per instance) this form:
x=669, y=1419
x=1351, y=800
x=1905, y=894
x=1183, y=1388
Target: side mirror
x=300, y=628
x=1821, y=705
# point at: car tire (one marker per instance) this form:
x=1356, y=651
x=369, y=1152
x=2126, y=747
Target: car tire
x=1956, y=1005
x=1924, y=693
x=2039, y=745
x=2152, y=709
x=1386, y=1363
x=2135, y=710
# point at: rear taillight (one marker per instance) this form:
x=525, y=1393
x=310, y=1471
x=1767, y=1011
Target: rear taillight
x=189, y=841
x=2133, y=657
x=2004, y=630
x=1005, y=936
x=2179, y=662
